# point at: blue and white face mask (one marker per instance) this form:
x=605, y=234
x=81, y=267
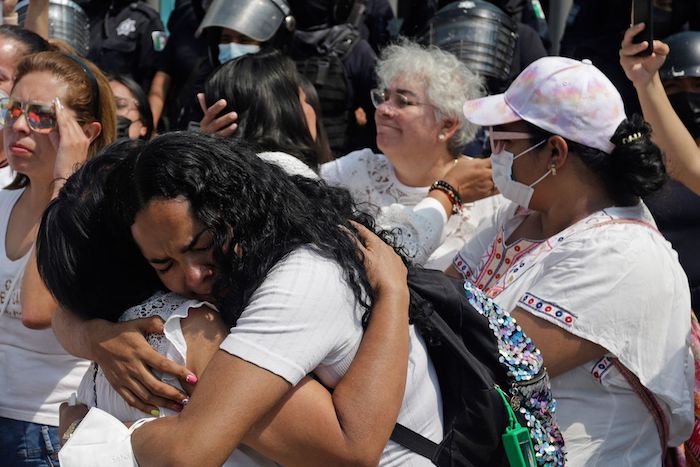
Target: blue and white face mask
x=234, y=49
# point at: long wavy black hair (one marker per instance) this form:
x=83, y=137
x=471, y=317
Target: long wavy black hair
x=240, y=199
x=263, y=88
x=85, y=252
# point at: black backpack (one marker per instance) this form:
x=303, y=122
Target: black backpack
x=480, y=354
x=320, y=54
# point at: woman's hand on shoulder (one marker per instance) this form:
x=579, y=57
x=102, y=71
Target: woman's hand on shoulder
x=211, y=123
x=70, y=142
x=640, y=70
x=126, y=359
x=385, y=269
x=472, y=179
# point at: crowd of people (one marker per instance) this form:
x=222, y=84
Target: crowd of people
x=209, y=243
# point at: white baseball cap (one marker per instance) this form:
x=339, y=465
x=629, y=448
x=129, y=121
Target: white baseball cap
x=566, y=97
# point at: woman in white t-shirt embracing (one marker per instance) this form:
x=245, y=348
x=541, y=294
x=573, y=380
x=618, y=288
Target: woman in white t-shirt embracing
x=218, y=224
x=577, y=259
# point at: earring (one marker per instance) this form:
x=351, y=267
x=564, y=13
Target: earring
x=441, y=137
x=554, y=168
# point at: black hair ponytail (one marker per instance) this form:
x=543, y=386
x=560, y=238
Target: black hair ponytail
x=636, y=165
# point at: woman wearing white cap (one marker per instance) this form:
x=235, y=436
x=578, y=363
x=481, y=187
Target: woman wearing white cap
x=577, y=259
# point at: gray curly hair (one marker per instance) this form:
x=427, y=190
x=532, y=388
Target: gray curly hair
x=448, y=83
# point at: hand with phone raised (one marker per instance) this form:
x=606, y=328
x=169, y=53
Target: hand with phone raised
x=643, y=12
x=640, y=69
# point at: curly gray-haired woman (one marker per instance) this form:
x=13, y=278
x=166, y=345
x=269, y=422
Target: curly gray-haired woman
x=422, y=178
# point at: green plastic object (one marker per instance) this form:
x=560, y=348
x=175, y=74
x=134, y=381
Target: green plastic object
x=516, y=439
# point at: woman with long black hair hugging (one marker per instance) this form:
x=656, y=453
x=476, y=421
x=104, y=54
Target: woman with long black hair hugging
x=274, y=253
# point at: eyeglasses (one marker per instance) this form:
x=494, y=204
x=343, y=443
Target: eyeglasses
x=40, y=118
x=396, y=99
x=498, y=138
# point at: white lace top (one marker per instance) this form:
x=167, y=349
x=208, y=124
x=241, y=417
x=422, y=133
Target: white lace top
x=95, y=390
x=429, y=238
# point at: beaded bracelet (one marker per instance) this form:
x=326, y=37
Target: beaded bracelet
x=451, y=193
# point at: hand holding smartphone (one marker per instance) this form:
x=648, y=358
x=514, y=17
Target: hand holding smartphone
x=642, y=12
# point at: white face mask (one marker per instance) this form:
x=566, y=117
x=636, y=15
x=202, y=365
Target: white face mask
x=502, y=166
x=234, y=49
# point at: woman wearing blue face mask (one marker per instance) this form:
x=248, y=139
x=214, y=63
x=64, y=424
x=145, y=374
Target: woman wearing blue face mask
x=241, y=27
x=577, y=259
x=233, y=44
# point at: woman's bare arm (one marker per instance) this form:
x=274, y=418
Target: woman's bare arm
x=681, y=152
x=236, y=401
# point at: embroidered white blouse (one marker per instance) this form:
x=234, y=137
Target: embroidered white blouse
x=428, y=236
x=614, y=280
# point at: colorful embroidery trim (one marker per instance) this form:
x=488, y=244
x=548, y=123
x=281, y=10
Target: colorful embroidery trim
x=546, y=308
x=601, y=367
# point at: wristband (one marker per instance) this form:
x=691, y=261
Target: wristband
x=451, y=193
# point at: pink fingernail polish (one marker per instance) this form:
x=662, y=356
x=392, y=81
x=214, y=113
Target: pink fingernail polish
x=192, y=379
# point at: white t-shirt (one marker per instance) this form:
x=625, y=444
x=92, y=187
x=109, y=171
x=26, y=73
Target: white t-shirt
x=7, y=175
x=95, y=390
x=612, y=280
x=429, y=237
x=304, y=318
x=36, y=373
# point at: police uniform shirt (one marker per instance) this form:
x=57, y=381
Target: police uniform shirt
x=125, y=38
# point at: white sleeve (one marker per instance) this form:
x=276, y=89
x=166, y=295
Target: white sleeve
x=622, y=288
x=303, y=315
x=421, y=227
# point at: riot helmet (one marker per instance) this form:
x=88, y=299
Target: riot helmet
x=680, y=74
x=257, y=19
x=684, y=58
x=480, y=34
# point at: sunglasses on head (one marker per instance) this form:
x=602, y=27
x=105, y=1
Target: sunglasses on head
x=40, y=118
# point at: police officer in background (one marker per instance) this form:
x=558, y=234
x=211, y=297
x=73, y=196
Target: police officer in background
x=125, y=37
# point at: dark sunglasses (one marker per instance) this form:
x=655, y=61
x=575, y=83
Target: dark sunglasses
x=40, y=118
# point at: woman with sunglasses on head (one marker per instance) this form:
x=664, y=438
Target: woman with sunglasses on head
x=15, y=44
x=577, y=259
x=59, y=113
x=134, y=117
x=421, y=183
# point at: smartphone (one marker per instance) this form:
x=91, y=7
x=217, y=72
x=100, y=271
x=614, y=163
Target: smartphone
x=643, y=12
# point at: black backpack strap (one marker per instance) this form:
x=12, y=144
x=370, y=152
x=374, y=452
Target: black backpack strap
x=341, y=39
x=414, y=442
x=456, y=345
